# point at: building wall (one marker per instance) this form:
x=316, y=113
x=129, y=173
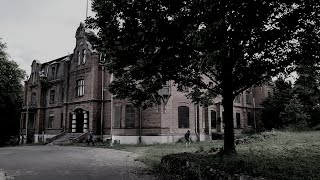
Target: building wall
x=153, y=125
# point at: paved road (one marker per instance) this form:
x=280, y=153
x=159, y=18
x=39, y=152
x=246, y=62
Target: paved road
x=66, y=162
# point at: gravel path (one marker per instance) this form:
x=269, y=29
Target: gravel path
x=67, y=162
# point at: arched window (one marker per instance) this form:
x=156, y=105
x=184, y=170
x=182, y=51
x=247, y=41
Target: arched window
x=183, y=117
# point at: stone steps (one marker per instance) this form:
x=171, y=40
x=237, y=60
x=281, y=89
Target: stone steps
x=66, y=139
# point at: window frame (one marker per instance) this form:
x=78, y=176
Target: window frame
x=250, y=119
x=50, y=121
x=33, y=100
x=213, y=120
x=116, y=124
x=84, y=54
x=52, y=96
x=129, y=116
x=80, y=88
x=183, y=119
x=53, y=72
x=238, y=120
x=248, y=98
x=79, y=57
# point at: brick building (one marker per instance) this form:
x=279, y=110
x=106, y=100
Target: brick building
x=69, y=94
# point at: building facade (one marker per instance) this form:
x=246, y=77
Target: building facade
x=69, y=94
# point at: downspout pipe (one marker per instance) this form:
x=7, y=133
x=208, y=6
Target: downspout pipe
x=195, y=120
x=27, y=113
x=102, y=102
x=140, y=126
x=111, y=112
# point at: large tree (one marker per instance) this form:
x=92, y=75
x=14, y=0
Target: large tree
x=308, y=82
x=11, y=77
x=236, y=44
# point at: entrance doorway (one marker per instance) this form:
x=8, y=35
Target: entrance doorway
x=79, y=120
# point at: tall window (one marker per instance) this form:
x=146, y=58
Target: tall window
x=33, y=99
x=79, y=57
x=62, y=94
x=53, y=72
x=250, y=119
x=248, y=97
x=50, y=122
x=213, y=119
x=183, y=117
x=61, y=120
x=31, y=121
x=84, y=56
x=130, y=116
x=117, y=117
x=238, y=120
x=80, y=87
x=52, y=96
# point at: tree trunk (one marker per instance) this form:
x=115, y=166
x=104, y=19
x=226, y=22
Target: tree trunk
x=229, y=144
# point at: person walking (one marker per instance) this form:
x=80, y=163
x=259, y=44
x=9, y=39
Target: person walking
x=90, y=138
x=188, y=139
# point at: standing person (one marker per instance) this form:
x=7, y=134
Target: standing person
x=188, y=139
x=90, y=138
x=20, y=139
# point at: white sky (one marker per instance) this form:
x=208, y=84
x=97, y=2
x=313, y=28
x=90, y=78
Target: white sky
x=40, y=29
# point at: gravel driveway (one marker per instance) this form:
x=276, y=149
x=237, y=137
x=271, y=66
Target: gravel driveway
x=67, y=162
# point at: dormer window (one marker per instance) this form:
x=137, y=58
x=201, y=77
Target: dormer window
x=84, y=52
x=79, y=57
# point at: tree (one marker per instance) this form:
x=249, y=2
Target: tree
x=11, y=77
x=295, y=114
x=307, y=90
x=236, y=44
x=274, y=106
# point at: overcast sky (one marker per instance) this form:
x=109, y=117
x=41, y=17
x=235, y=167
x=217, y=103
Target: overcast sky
x=40, y=29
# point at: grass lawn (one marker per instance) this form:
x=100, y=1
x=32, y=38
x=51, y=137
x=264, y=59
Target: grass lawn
x=285, y=155
x=274, y=155
x=152, y=154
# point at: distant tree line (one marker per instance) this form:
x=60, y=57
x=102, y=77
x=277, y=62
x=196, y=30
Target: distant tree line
x=295, y=105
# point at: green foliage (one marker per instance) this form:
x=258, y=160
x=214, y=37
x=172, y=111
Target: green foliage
x=295, y=106
x=280, y=155
x=295, y=113
x=11, y=77
x=274, y=106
